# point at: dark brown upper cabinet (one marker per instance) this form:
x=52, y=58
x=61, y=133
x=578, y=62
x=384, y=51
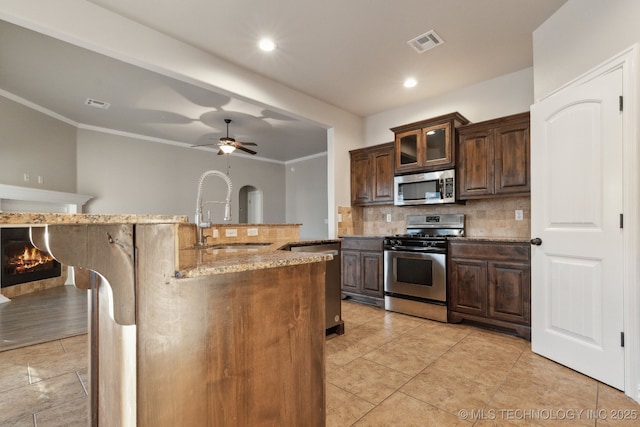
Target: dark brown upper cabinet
x=372, y=175
x=428, y=144
x=494, y=158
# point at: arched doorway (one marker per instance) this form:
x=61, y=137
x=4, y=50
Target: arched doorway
x=250, y=205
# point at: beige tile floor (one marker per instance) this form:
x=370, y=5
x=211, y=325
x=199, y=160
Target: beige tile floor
x=388, y=369
x=45, y=384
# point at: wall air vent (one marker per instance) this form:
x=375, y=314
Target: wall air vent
x=97, y=104
x=425, y=41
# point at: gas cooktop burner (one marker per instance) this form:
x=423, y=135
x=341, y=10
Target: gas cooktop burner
x=431, y=227
x=420, y=236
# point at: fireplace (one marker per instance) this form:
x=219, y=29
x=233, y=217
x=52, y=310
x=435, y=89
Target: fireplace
x=21, y=261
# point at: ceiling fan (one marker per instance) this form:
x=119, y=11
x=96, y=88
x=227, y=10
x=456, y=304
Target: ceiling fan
x=228, y=145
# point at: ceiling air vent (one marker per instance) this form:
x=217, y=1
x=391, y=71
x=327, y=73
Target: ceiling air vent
x=97, y=104
x=425, y=41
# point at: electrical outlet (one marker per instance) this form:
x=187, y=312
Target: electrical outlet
x=26, y=177
x=40, y=179
x=231, y=232
x=339, y=217
x=388, y=217
x=519, y=215
x=216, y=234
x=252, y=231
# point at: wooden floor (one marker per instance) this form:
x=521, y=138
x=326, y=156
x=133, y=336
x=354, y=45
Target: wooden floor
x=43, y=316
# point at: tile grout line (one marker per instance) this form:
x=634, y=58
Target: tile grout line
x=493, y=395
x=396, y=390
x=29, y=373
x=411, y=377
x=82, y=383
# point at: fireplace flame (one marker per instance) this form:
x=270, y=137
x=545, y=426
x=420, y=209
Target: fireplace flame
x=29, y=259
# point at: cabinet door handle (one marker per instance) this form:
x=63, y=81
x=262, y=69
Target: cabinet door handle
x=537, y=241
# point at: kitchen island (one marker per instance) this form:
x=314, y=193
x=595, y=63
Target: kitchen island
x=197, y=336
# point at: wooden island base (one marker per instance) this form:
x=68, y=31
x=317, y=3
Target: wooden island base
x=234, y=349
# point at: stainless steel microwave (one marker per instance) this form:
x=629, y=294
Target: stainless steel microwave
x=426, y=188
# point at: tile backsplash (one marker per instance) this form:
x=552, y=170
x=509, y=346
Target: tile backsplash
x=491, y=218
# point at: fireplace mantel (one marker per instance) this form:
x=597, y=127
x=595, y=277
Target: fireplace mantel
x=25, y=199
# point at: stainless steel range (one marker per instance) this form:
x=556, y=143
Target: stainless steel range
x=415, y=265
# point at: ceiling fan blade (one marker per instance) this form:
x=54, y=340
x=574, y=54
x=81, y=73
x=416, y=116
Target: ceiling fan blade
x=204, y=145
x=220, y=152
x=239, y=147
x=246, y=143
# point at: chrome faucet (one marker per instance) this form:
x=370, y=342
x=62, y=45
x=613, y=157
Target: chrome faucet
x=200, y=223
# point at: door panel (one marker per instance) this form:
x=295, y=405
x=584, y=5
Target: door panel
x=383, y=176
x=576, y=202
x=509, y=296
x=575, y=185
x=512, y=158
x=351, y=271
x=360, y=191
x=469, y=287
x=576, y=310
x=475, y=168
x=372, y=274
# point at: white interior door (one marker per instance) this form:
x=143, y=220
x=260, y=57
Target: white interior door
x=254, y=206
x=576, y=207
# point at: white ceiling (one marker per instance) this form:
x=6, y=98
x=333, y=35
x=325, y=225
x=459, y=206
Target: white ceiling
x=349, y=53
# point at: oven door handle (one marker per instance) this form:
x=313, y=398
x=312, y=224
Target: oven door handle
x=417, y=249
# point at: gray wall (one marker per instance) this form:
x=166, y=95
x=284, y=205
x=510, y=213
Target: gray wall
x=34, y=143
x=307, y=196
x=131, y=175
x=128, y=175
x=508, y=94
x=579, y=36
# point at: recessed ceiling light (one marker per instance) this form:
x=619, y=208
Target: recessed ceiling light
x=267, y=45
x=410, y=82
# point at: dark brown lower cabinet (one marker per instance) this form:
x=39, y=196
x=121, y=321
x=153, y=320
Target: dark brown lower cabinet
x=490, y=283
x=362, y=263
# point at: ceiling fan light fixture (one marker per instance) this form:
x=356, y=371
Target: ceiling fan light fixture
x=267, y=45
x=227, y=149
x=410, y=82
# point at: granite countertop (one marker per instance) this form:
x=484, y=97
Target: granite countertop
x=492, y=239
x=193, y=262
x=207, y=261
x=236, y=225
x=453, y=238
x=311, y=242
x=37, y=219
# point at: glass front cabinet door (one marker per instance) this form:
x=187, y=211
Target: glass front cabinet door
x=437, y=142
x=407, y=146
x=427, y=145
